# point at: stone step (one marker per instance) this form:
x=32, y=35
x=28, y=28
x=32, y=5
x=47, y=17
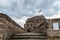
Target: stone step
x=38, y=34
x=28, y=39
x=28, y=36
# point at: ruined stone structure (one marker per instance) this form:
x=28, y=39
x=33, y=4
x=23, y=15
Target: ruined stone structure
x=53, y=34
x=36, y=28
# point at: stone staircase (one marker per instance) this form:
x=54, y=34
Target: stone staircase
x=29, y=36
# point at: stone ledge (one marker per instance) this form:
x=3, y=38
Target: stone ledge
x=36, y=34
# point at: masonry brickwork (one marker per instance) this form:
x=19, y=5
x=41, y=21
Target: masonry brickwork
x=36, y=28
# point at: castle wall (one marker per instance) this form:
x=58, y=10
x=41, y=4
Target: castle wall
x=53, y=34
x=4, y=31
x=33, y=25
x=8, y=27
x=36, y=24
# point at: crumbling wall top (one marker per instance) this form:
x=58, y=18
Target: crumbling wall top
x=9, y=19
x=35, y=18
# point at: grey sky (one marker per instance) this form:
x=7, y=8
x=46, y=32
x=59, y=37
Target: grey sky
x=20, y=10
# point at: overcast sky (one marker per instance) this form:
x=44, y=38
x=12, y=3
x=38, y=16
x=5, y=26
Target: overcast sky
x=20, y=10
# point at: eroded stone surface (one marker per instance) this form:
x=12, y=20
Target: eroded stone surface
x=36, y=28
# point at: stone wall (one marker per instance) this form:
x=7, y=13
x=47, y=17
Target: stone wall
x=8, y=27
x=53, y=34
x=36, y=21
x=36, y=24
